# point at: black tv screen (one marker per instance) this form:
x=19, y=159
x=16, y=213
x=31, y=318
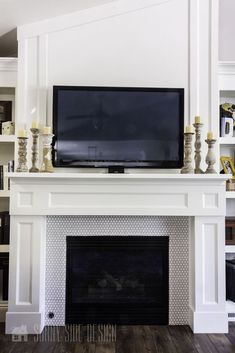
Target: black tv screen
x=107, y=126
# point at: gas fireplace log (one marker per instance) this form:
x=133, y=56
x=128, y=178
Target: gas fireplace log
x=116, y=283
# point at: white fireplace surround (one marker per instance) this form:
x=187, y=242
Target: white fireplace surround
x=36, y=196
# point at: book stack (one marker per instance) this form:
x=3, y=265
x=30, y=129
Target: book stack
x=10, y=169
x=4, y=268
x=4, y=169
x=4, y=227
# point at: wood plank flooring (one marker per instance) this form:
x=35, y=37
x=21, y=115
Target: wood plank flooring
x=128, y=339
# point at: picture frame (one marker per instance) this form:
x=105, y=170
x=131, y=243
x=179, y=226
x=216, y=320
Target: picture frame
x=228, y=165
x=5, y=111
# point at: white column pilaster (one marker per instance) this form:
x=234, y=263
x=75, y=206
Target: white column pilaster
x=27, y=274
x=207, y=275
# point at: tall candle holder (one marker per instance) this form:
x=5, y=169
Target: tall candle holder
x=22, y=155
x=210, y=157
x=187, y=168
x=197, y=145
x=35, y=134
x=47, y=166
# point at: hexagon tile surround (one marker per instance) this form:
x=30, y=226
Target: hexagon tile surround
x=177, y=228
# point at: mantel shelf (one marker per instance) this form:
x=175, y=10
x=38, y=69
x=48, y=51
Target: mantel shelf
x=126, y=176
x=117, y=194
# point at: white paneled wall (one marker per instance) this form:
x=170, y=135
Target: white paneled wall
x=227, y=30
x=153, y=43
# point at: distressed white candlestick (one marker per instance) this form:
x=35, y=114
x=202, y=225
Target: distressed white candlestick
x=197, y=144
x=210, y=157
x=187, y=168
x=47, y=166
x=35, y=134
x=22, y=155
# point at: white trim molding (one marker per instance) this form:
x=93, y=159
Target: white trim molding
x=33, y=197
x=8, y=64
x=8, y=72
x=226, y=70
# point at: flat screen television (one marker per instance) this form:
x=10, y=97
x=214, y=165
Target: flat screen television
x=118, y=127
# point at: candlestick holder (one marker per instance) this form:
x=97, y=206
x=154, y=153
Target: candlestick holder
x=210, y=157
x=47, y=166
x=197, y=145
x=22, y=155
x=35, y=134
x=187, y=168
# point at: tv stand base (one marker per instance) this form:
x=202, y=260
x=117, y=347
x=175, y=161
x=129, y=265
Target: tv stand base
x=116, y=169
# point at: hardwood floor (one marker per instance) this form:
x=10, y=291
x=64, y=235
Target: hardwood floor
x=125, y=339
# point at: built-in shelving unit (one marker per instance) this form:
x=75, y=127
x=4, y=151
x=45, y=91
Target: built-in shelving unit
x=8, y=79
x=7, y=153
x=227, y=148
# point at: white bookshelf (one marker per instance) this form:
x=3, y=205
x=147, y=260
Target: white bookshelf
x=230, y=249
x=227, y=148
x=4, y=248
x=230, y=308
x=227, y=141
x=4, y=193
x=230, y=194
x=8, y=79
x=7, y=138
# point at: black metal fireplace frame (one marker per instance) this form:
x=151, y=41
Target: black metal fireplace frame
x=110, y=313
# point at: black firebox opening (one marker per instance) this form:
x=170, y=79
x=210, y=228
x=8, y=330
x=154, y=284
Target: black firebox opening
x=117, y=280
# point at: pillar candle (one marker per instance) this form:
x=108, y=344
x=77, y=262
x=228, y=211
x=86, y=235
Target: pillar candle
x=22, y=133
x=189, y=129
x=35, y=125
x=197, y=120
x=47, y=130
x=210, y=135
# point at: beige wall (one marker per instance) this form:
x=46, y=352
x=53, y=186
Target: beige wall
x=227, y=30
x=8, y=44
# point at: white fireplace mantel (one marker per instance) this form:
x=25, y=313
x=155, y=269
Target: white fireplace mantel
x=35, y=196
